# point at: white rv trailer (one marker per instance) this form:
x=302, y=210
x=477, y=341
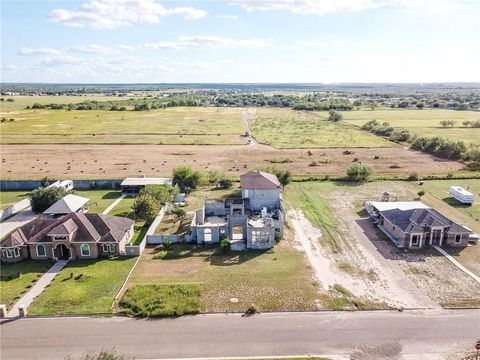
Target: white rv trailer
x=462, y=195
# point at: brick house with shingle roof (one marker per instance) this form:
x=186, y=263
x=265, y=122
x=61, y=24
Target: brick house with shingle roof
x=72, y=236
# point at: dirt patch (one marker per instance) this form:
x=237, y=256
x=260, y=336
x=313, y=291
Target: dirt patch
x=119, y=161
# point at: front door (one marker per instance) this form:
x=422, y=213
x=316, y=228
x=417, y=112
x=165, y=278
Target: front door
x=62, y=252
x=437, y=236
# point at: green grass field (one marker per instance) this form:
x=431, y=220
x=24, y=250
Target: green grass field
x=285, y=128
x=21, y=102
x=8, y=198
x=191, y=125
x=272, y=281
x=421, y=122
x=91, y=290
x=12, y=287
x=99, y=199
x=124, y=208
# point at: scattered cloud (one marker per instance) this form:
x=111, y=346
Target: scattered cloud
x=185, y=42
x=227, y=17
x=59, y=60
x=126, y=47
x=91, y=49
x=322, y=7
x=108, y=14
x=25, y=51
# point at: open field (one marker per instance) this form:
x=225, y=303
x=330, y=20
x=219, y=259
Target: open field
x=193, y=125
x=8, y=198
x=285, y=128
x=91, y=290
x=12, y=286
x=369, y=262
x=421, y=122
x=21, y=102
x=120, y=161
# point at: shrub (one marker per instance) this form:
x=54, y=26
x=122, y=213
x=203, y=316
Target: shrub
x=179, y=212
x=413, y=176
x=334, y=116
x=146, y=207
x=225, y=246
x=225, y=184
x=359, y=172
x=395, y=166
x=421, y=193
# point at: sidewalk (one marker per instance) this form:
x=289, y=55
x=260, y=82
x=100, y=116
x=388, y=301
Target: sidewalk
x=16, y=221
x=457, y=264
x=115, y=203
x=37, y=289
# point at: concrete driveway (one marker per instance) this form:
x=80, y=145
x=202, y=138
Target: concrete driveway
x=16, y=221
x=431, y=334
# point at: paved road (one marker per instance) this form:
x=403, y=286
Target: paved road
x=16, y=221
x=369, y=335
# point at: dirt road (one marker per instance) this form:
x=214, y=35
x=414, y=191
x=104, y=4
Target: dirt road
x=371, y=276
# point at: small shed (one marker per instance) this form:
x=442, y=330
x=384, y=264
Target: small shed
x=133, y=185
x=66, y=205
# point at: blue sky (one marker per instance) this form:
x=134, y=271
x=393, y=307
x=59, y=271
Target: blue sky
x=152, y=41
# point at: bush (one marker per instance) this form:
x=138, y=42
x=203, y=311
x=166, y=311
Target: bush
x=413, y=177
x=179, y=212
x=441, y=147
x=225, y=246
x=162, y=193
x=334, y=116
x=225, y=184
x=359, y=172
x=421, y=193
x=42, y=198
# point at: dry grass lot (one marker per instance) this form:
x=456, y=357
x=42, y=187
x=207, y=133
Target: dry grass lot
x=285, y=128
x=119, y=161
x=335, y=207
x=421, y=122
x=167, y=126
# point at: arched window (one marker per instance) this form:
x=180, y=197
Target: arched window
x=41, y=252
x=85, y=249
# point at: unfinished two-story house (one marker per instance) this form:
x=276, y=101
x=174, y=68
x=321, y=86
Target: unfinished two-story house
x=251, y=221
x=413, y=225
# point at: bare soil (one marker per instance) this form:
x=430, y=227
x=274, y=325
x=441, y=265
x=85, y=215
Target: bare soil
x=119, y=161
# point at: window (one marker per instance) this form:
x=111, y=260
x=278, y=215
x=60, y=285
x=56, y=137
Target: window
x=85, y=249
x=61, y=238
x=458, y=239
x=415, y=240
x=41, y=252
x=108, y=247
x=7, y=253
x=16, y=252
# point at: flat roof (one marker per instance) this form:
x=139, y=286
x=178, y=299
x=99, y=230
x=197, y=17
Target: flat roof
x=401, y=205
x=143, y=181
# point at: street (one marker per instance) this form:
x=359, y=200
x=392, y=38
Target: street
x=366, y=335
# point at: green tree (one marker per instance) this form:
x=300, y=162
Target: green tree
x=359, y=172
x=334, y=116
x=42, y=198
x=162, y=193
x=146, y=207
x=186, y=178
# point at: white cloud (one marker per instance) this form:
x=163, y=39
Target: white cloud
x=110, y=14
x=322, y=7
x=25, y=51
x=319, y=43
x=59, y=60
x=206, y=42
x=91, y=49
x=126, y=47
x=227, y=17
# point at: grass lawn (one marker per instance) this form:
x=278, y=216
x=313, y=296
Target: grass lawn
x=124, y=208
x=21, y=102
x=421, y=122
x=8, y=198
x=91, y=290
x=285, y=128
x=279, y=280
x=99, y=199
x=167, y=126
x=161, y=300
x=12, y=287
